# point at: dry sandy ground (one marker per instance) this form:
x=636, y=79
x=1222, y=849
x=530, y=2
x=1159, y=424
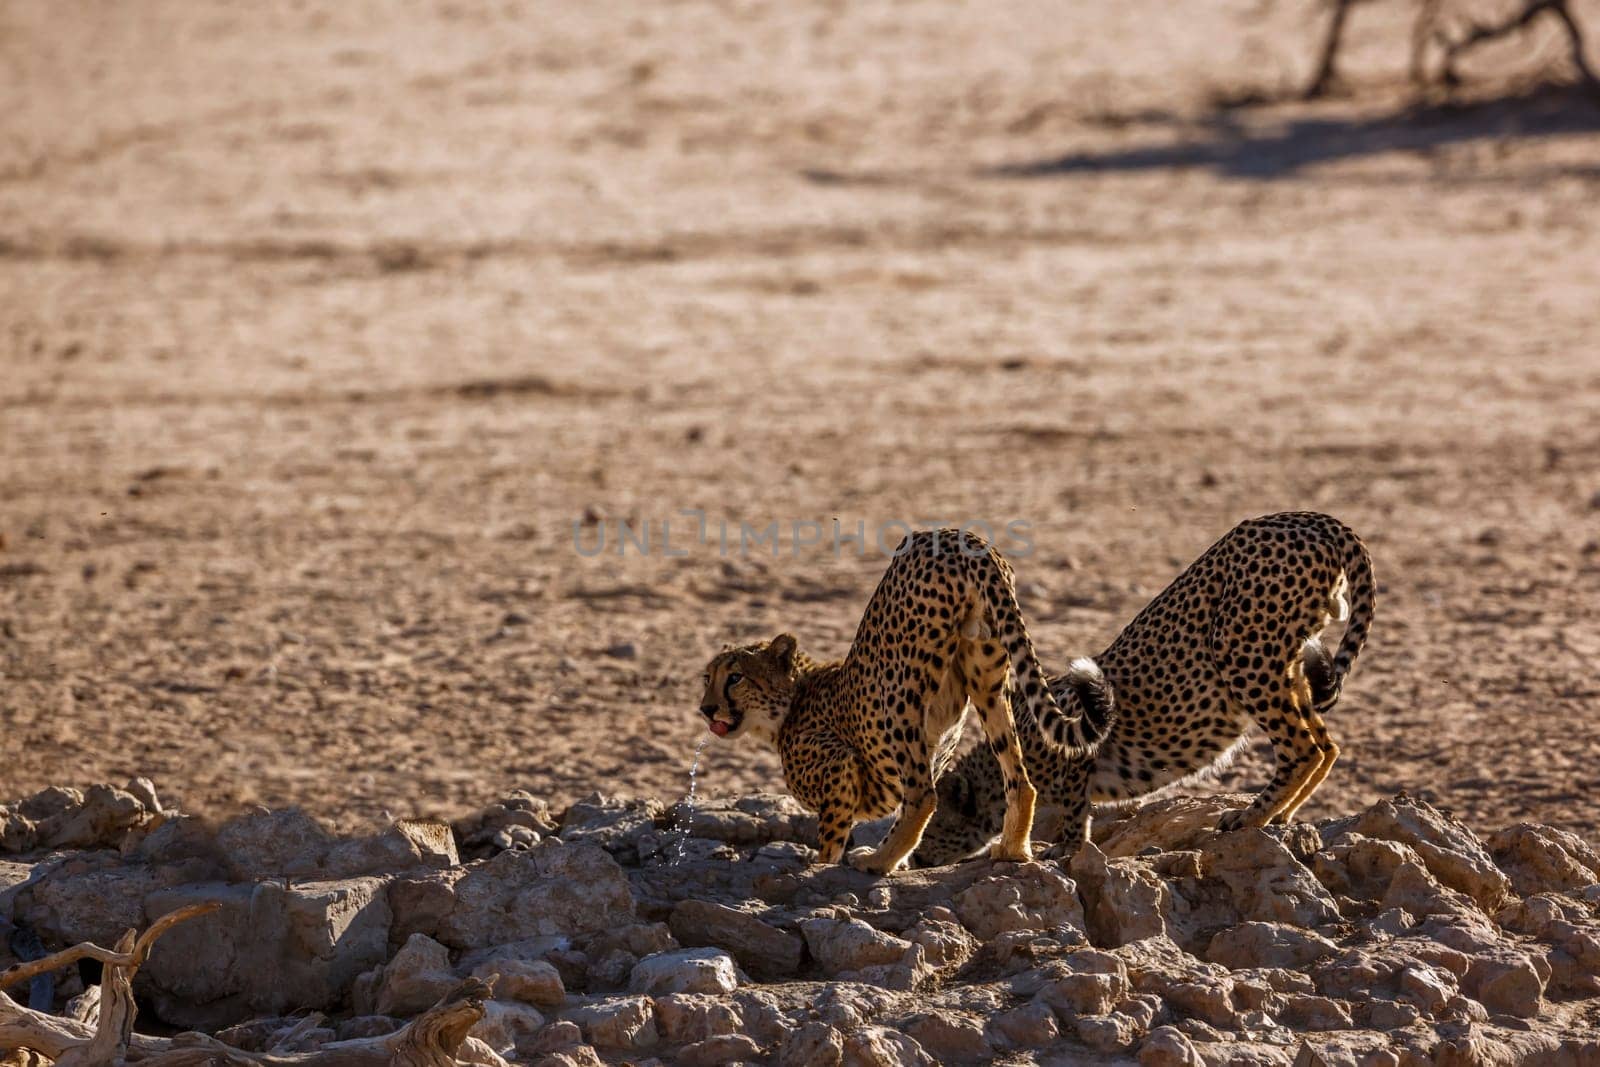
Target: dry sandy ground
x=322, y=323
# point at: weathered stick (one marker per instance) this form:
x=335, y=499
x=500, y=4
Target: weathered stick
x=1328, y=55
x=87, y=950
x=430, y=1040
x=72, y=1043
x=53, y=1035
x=1531, y=10
x=115, y=1025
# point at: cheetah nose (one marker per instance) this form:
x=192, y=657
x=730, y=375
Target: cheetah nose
x=708, y=710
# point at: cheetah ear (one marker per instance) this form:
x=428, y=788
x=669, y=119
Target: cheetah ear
x=781, y=650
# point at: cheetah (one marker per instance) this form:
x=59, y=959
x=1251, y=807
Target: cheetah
x=870, y=733
x=1232, y=642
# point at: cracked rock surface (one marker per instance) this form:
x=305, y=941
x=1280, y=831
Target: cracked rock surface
x=623, y=931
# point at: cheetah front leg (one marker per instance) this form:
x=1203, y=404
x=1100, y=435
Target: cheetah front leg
x=836, y=815
x=1074, y=828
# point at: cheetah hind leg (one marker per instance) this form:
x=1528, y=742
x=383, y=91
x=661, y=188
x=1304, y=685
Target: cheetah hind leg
x=1298, y=760
x=1328, y=754
x=915, y=811
x=988, y=679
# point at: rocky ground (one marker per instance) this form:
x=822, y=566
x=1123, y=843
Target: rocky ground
x=623, y=932
x=321, y=324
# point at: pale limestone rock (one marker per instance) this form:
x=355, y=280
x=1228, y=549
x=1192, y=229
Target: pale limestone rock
x=1415, y=891
x=1167, y=1046
x=879, y=1046
x=1267, y=882
x=268, y=949
x=1031, y=1026
x=689, y=970
x=1428, y=988
x=555, y=890
x=717, y=1051
x=503, y=1023
x=274, y=844
x=1257, y=944
x=102, y=818
x=1452, y=854
x=626, y=1024
x=1511, y=981
x=1127, y=901
x=416, y=978
x=1315, y=1013
x=947, y=944
x=764, y=951
x=841, y=946
x=1083, y=994
x=1030, y=896
x=1543, y=859
x=950, y=1037
x=687, y=1018
x=535, y=982
x=816, y=1044
x=408, y=844
x=1170, y=824
x=1107, y=1033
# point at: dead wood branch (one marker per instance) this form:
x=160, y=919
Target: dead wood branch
x=430, y=1040
x=1328, y=55
x=1481, y=33
x=1425, y=32
x=53, y=1035
x=86, y=950
x=114, y=1028
x=70, y=1042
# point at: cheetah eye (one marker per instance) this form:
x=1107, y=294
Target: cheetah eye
x=735, y=678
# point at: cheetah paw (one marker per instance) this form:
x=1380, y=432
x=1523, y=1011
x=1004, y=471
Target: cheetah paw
x=1063, y=851
x=869, y=861
x=1237, y=819
x=1001, y=851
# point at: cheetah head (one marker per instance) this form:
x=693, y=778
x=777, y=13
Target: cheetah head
x=749, y=688
x=963, y=823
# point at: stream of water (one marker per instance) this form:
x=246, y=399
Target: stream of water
x=687, y=803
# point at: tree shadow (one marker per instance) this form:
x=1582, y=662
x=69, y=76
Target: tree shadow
x=1231, y=148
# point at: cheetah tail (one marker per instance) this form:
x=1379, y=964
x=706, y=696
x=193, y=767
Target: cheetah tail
x=1073, y=734
x=1363, y=596
x=1094, y=696
x=1317, y=662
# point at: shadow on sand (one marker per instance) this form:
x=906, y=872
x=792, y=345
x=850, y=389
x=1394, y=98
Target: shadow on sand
x=1230, y=143
x=1230, y=148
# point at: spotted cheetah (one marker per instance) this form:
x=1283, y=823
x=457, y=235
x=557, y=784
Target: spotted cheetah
x=869, y=733
x=1233, y=641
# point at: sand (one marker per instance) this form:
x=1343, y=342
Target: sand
x=321, y=325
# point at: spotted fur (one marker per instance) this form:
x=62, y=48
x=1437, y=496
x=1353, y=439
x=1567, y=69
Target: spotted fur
x=1230, y=644
x=865, y=735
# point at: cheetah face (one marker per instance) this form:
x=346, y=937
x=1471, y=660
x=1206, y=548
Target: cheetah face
x=960, y=826
x=749, y=689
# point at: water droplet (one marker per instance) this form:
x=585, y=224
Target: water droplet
x=685, y=807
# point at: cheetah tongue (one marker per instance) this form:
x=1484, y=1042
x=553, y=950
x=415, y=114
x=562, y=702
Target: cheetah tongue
x=719, y=728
